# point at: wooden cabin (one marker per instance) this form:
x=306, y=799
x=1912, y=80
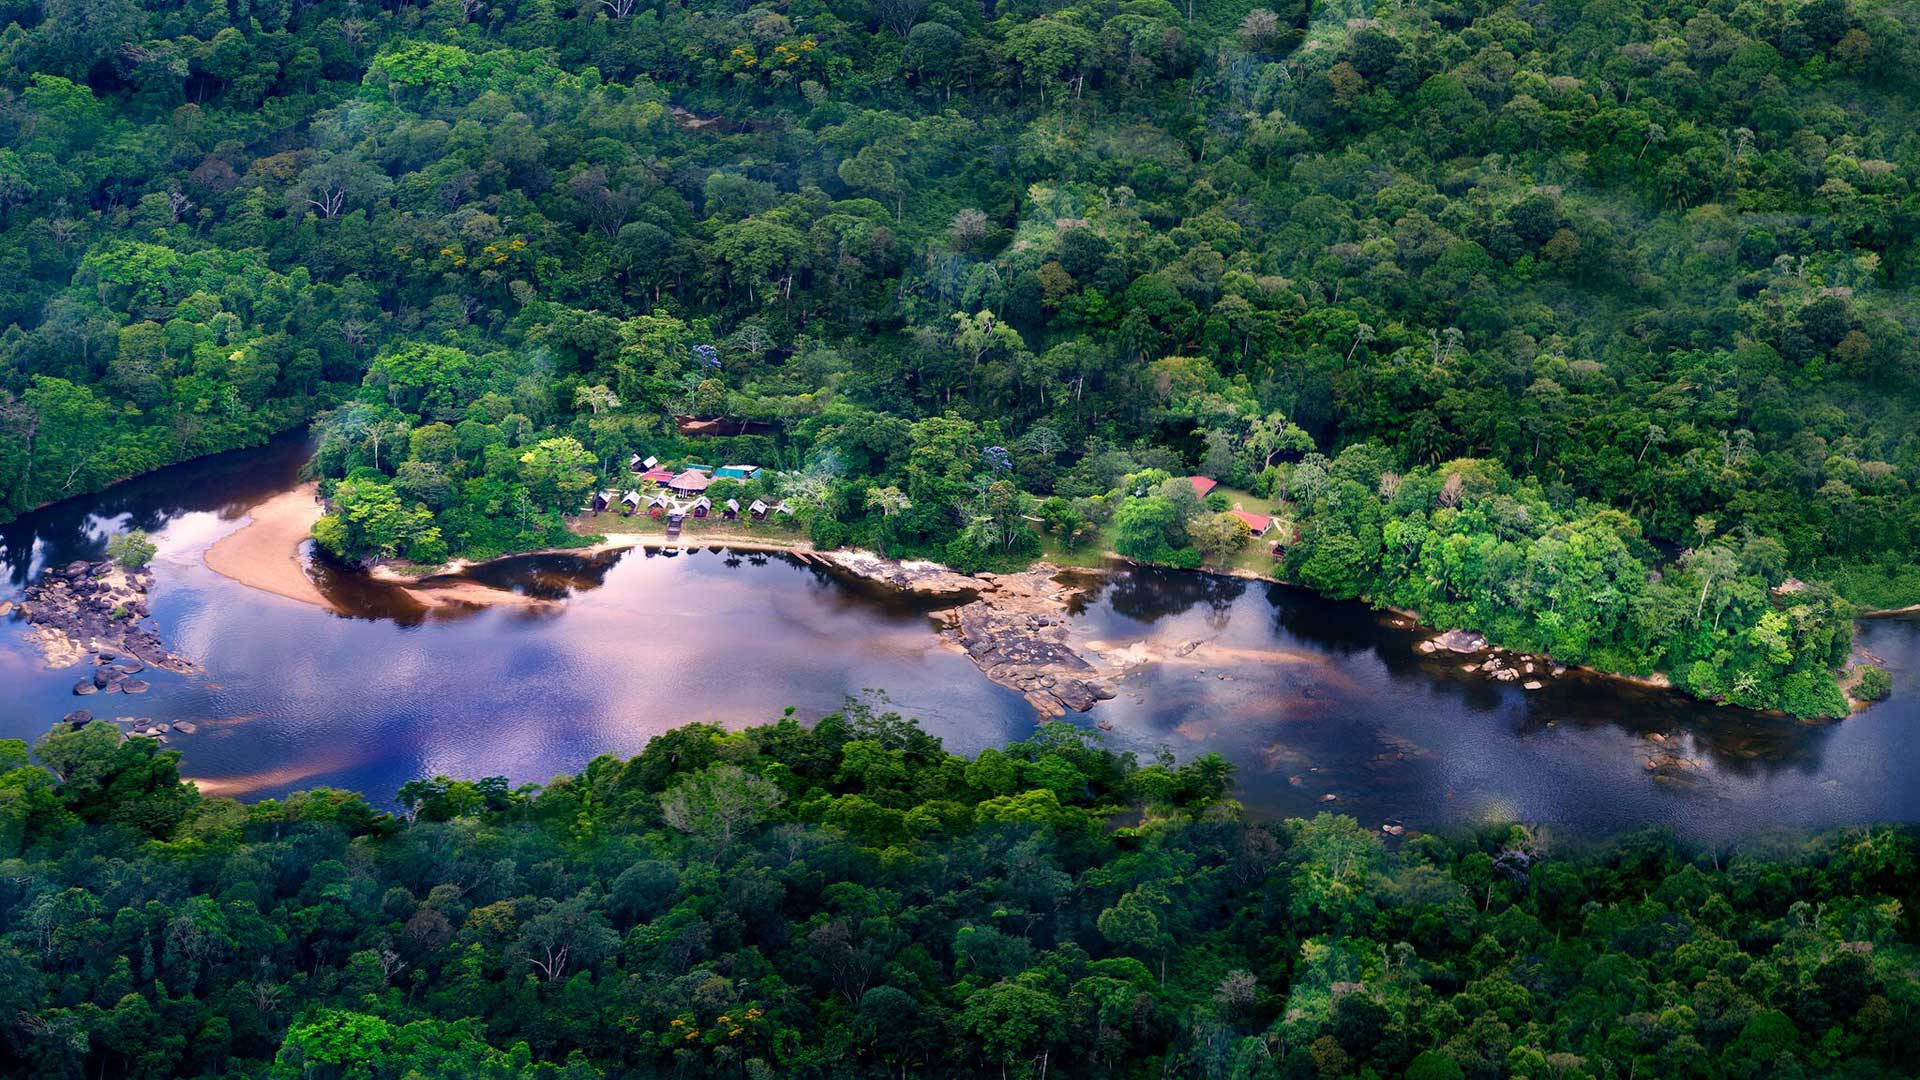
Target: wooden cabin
x=730, y=509
x=657, y=507
x=629, y=503
x=758, y=511
x=657, y=476
x=1202, y=485
x=701, y=505
x=783, y=508
x=599, y=502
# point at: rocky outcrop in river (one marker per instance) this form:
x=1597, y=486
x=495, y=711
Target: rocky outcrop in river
x=99, y=608
x=1014, y=626
x=1017, y=633
x=924, y=579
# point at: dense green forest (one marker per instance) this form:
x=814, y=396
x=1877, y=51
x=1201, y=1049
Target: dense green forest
x=852, y=900
x=1649, y=265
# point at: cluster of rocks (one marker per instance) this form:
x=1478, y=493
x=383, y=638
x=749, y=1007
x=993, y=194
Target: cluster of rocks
x=98, y=607
x=1016, y=632
x=1029, y=653
x=1501, y=666
x=113, y=675
x=1674, y=769
x=924, y=579
x=1464, y=642
x=1013, y=626
x=1521, y=669
x=134, y=725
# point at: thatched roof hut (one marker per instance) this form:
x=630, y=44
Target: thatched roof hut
x=689, y=482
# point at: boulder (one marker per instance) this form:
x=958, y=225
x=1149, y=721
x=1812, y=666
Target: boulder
x=79, y=718
x=1460, y=641
x=85, y=687
x=133, y=686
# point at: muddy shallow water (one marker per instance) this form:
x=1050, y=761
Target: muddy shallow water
x=1309, y=698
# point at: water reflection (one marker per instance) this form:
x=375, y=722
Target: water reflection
x=1327, y=706
x=223, y=486
x=1321, y=705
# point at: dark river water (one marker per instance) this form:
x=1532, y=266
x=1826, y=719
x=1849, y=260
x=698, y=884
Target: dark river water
x=1309, y=698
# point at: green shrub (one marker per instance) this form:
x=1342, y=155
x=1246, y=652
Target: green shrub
x=1874, y=685
x=827, y=533
x=132, y=550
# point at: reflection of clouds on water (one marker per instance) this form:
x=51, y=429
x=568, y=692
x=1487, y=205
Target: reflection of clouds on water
x=100, y=528
x=188, y=536
x=1318, y=698
x=21, y=565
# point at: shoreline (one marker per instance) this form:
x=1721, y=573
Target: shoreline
x=607, y=542
x=1889, y=613
x=265, y=554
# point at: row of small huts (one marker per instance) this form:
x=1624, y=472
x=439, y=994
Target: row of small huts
x=677, y=494
x=660, y=505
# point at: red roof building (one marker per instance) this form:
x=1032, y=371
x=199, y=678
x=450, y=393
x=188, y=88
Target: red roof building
x=1201, y=485
x=1259, y=523
x=657, y=476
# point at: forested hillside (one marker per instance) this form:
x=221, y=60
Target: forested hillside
x=851, y=900
x=1643, y=270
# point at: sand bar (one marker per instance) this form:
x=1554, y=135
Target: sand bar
x=434, y=595
x=265, y=552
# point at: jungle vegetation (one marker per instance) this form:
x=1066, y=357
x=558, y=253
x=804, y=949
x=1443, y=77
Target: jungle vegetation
x=1639, y=274
x=852, y=900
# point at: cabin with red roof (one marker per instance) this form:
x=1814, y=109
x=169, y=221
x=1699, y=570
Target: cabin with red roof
x=1202, y=485
x=1260, y=524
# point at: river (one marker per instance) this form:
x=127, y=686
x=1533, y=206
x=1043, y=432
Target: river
x=1320, y=704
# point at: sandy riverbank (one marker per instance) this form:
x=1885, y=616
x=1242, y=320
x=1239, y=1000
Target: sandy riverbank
x=439, y=592
x=265, y=552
